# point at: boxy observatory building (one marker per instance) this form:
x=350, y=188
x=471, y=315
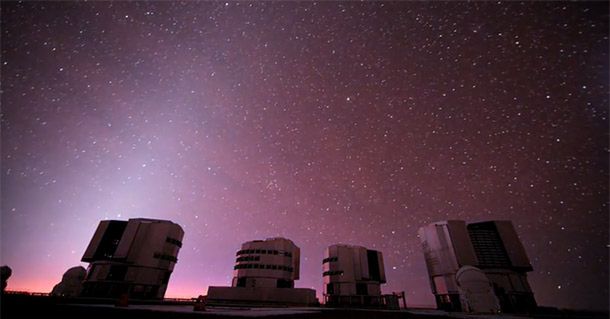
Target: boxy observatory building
x=134, y=257
x=353, y=276
x=264, y=274
x=477, y=267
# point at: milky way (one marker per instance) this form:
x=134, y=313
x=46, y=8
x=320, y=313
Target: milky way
x=325, y=123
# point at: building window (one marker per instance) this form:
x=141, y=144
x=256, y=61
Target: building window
x=165, y=257
x=329, y=259
x=248, y=258
x=263, y=266
x=173, y=241
x=332, y=273
x=284, y=253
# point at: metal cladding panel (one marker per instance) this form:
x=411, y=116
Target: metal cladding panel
x=176, y=232
x=462, y=246
x=512, y=244
x=347, y=263
x=127, y=239
x=440, y=285
x=356, y=264
x=336, y=251
x=438, y=250
x=144, y=239
x=142, y=247
x=95, y=241
x=327, y=253
x=427, y=244
x=150, y=240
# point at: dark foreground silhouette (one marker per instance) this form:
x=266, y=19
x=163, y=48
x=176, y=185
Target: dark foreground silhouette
x=34, y=306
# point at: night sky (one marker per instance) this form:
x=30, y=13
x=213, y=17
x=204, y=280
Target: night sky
x=330, y=122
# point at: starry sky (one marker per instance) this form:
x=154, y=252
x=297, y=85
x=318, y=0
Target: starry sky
x=323, y=122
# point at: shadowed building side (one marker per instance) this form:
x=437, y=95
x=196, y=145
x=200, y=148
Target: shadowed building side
x=134, y=257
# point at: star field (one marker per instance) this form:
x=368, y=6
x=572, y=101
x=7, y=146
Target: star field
x=329, y=122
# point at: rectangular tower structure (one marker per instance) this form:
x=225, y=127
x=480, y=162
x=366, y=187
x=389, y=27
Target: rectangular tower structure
x=134, y=257
x=352, y=275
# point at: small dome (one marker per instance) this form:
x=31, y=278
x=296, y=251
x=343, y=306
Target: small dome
x=476, y=291
x=78, y=272
x=71, y=282
x=6, y=271
x=470, y=274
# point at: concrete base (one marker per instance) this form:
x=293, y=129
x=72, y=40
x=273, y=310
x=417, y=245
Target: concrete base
x=262, y=296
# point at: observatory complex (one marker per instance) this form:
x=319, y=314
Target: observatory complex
x=477, y=267
x=134, y=257
x=264, y=274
